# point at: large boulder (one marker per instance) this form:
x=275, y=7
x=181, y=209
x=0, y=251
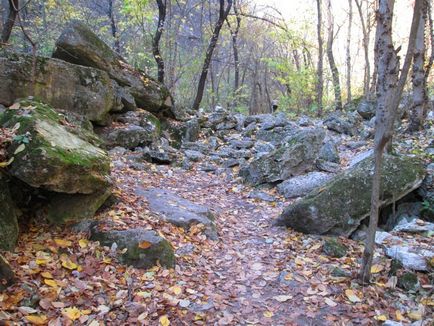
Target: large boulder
x=343, y=122
x=8, y=217
x=145, y=248
x=129, y=136
x=87, y=91
x=338, y=207
x=46, y=155
x=303, y=184
x=296, y=156
x=78, y=44
x=366, y=108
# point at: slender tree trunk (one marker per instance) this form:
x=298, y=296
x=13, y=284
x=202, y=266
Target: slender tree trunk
x=156, y=40
x=234, y=34
x=223, y=13
x=331, y=58
x=113, y=26
x=320, y=67
x=420, y=97
x=367, y=70
x=389, y=90
x=431, y=38
x=10, y=21
x=348, y=58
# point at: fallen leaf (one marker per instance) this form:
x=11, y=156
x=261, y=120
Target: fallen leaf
x=83, y=243
x=376, y=269
x=352, y=296
x=414, y=315
x=19, y=149
x=330, y=302
x=177, y=290
x=164, y=321
x=144, y=245
x=71, y=313
x=46, y=275
x=380, y=317
x=63, y=243
x=51, y=283
x=37, y=319
x=268, y=314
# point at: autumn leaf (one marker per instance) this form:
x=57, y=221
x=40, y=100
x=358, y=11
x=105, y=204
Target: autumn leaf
x=164, y=321
x=177, y=290
x=67, y=263
x=352, y=296
x=46, y=275
x=414, y=315
x=330, y=302
x=380, y=317
x=268, y=314
x=376, y=269
x=51, y=283
x=37, y=319
x=282, y=298
x=83, y=243
x=63, y=243
x=144, y=245
x=71, y=313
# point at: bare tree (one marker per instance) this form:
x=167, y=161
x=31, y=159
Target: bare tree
x=420, y=96
x=320, y=67
x=365, y=42
x=223, y=13
x=390, y=85
x=348, y=50
x=234, y=34
x=113, y=25
x=10, y=21
x=331, y=59
x=156, y=40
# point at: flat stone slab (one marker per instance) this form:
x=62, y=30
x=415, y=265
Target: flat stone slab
x=178, y=211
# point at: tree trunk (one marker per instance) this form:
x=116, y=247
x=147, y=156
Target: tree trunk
x=389, y=90
x=420, y=97
x=367, y=70
x=348, y=58
x=114, y=29
x=10, y=21
x=156, y=40
x=234, y=34
x=331, y=59
x=223, y=13
x=320, y=67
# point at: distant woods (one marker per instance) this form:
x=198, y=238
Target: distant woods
x=238, y=54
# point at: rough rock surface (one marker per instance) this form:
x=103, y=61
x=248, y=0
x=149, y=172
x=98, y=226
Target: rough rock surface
x=179, y=211
x=303, y=184
x=297, y=155
x=79, y=45
x=340, y=205
x=83, y=90
x=54, y=158
x=7, y=275
x=8, y=217
x=145, y=248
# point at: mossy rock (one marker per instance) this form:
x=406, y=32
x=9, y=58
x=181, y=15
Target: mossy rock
x=339, y=205
x=71, y=208
x=8, y=217
x=7, y=276
x=86, y=91
x=78, y=44
x=53, y=158
x=408, y=281
x=334, y=248
x=145, y=248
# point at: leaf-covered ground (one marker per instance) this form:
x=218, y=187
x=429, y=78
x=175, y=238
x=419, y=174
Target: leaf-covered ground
x=254, y=274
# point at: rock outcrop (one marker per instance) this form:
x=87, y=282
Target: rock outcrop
x=338, y=207
x=81, y=46
x=8, y=217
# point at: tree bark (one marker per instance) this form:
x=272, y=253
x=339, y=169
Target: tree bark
x=420, y=97
x=331, y=58
x=10, y=21
x=223, y=13
x=389, y=90
x=348, y=52
x=367, y=70
x=156, y=40
x=234, y=34
x=113, y=26
x=320, y=67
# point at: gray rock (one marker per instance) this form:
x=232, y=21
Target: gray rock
x=304, y=121
x=53, y=158
x=367, y=109
x=241, y=144
x=78, y=44
x=7, y=276
x=410, y=257
x=83, y=90
x=160, y=155
x=276, y=135
x=415, y=226
x=343, y=123
x=8, y=217
x=296, y=156
x=360, y=157
x=129, y=136
x=194, y=156
x=329, y=152
x=192, y=130
x=327, y=166
x=334, y=248
x=179, y=211
x=338, y=207
x=303, y=184
x=145, y=248
x=255, y=194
